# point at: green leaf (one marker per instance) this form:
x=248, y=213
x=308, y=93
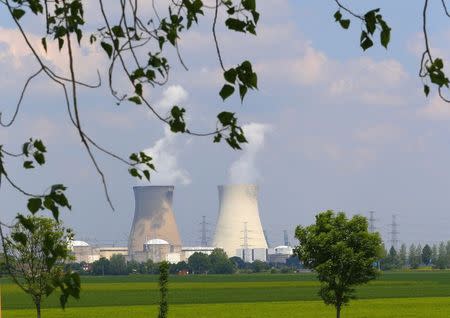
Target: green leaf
x=117, y=31
x=19, y=238
x=18, y=13
x=242, y=91
x=235, y=24
x=138, y=89
x=39, y=145
x=249, y=4
x=226, y=91
x=44, y=43
x=39, y=157
x=135, y=99
x=366, y=42
x=134, y=173
x=230, y=75
x=225, y=118
x=34, y=204
x=344, y=23
x=426, y=90
x=338, y=16
x=28, y=165
x=60, y=43
x=146, y=174
x=108, y=48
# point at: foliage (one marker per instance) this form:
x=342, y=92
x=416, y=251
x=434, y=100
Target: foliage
x=199, y=263
x=118, y=265
x=341, y=251
x=35, y=253
x=220, y=263
x=391, y=261
x=426, y=254
x=163, y=289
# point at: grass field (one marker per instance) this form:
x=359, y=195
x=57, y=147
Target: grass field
x=407, y=294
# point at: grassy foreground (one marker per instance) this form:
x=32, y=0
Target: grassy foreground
x=436, y=307
x=407, y=294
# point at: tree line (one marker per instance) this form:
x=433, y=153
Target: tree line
x=437, y=256
x=198, y=263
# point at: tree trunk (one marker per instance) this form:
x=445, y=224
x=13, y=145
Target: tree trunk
x=338, y=311
x=38, y=310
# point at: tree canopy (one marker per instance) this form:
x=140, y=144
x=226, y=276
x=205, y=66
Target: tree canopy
x=342, y=252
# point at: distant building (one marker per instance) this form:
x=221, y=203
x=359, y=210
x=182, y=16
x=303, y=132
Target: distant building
x=188, y=251
x=108, y=252
x=250, y=255
x=83, y=252
x=279, y=254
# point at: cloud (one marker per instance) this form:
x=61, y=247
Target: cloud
x=244, y=169
x=164, y=151
x=436, y=109
x=173, y=95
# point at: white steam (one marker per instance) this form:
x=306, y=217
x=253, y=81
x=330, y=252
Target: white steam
x=164, y=151
x=244, y=169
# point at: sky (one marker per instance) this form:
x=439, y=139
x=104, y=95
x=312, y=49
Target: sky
x=330, y=127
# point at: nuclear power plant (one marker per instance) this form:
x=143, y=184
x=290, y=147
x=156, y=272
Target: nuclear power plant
x=153, y=223
x=239, y=226
x=154, y=233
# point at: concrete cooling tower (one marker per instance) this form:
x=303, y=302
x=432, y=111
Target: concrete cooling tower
x=239, y=225
x=153, y=218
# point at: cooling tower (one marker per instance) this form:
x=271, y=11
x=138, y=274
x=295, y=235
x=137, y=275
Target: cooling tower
x=153, y=218
x=239, y=225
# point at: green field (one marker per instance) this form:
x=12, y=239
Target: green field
x=407, y=294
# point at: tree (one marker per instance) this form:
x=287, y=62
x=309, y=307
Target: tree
x=342, y=252
x=199, y=263
x=101, y=267
x=163, y=289
x=434, y=254
x=238, y=262
x=220, y=263
x=391, y=260
x=118, y=265
x=441, y=262
x=259, y=266
x=36, y=253
x=413, y=257
x=426, y=254
x=403, y=255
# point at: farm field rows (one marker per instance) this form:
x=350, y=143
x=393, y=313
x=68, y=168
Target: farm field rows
x=406, y=294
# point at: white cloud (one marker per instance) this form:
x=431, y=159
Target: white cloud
x=436, y=109
x=244, y=169
x=164, y=151
x=379, y=134
x=173, y=95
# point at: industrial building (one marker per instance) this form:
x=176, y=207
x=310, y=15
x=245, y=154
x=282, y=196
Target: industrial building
x=239, y=226
x=154, y=232
x=153, y=222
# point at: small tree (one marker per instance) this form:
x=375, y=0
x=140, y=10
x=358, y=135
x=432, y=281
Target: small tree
x=220, y=263
x=426, y=254
x=163, y=289
x=342, y=252
x=199, y=263
x=403, y=255
x=118, y=265
x=36, y=253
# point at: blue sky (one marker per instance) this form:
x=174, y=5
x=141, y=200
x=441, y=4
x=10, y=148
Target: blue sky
x=332, y=127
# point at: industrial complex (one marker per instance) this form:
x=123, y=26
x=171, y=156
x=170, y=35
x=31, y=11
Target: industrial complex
x=154, y=233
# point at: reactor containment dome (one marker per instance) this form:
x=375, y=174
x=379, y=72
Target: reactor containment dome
x=239, y=226
x=153, y=218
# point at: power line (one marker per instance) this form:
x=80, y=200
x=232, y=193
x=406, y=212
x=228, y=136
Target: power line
x=394, y=232
x=372, y=228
